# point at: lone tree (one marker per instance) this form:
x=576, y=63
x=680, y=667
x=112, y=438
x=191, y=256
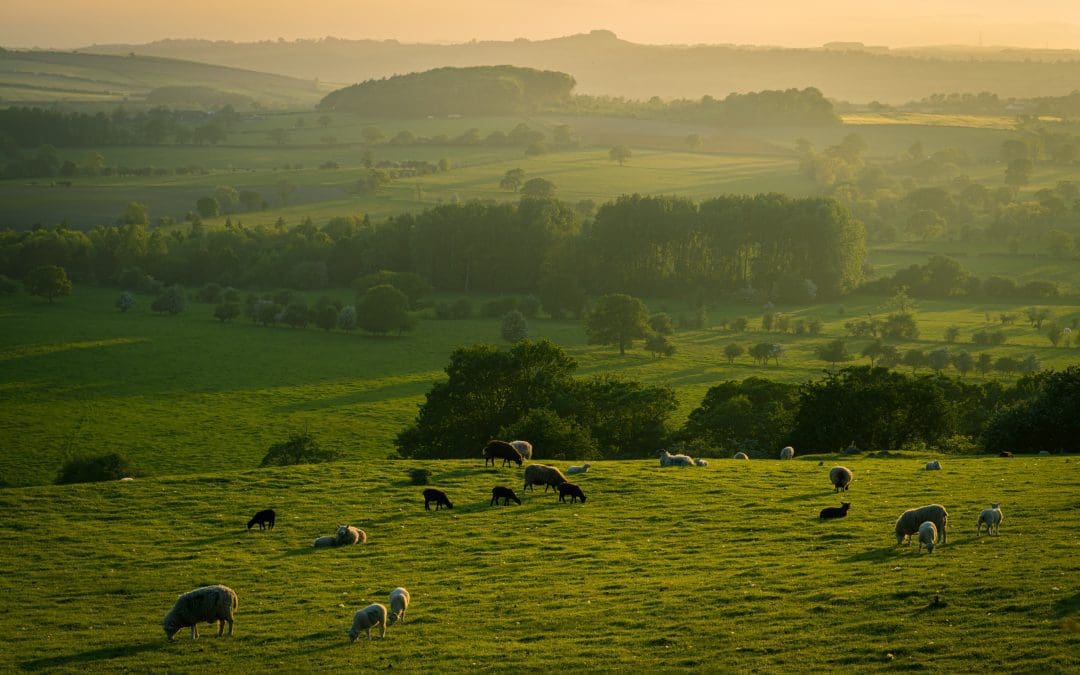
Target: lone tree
x=620, y=154
x=834, y=352
x=514, y=326
x=48, y=281
x=172, y=300
x=617, y=319
x=540, y=188
x=383, y=309
x=512, y=180
x=732, y=351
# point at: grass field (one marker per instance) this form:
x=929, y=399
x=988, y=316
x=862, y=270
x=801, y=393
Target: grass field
x=724, y=568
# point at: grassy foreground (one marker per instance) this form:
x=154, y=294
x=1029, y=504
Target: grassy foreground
x=718, y=568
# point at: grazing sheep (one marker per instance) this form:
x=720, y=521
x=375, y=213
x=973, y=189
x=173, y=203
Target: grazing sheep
x=668, y=459
x=209, y=604
x=835, y=512
x=909, y=521
x=1044, y=453
x=399, y=602
x=501, y=450
x=542, y=474
x=701, y=461
x=992, y=518
x=840, y=477
x=572, y=490
x=578, y=469
x=367, y=618
x=264, y=519
x=1004, y=453
x=933, y=466
x=524, y=447
x=505, y=494
x=322, y=542
x=347, y=535
x=437, y=496
x=739, y=455
x=787, y=452
x=927, y=535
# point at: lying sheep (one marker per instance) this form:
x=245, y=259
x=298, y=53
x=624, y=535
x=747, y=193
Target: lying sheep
x=835, y=511
x=572, y=490
x=578, y=469
x=504, y=493
x=367, y=618
x=524, y=447
x=264, y=519
x=701, y=461
x=1004, y=453
x=739, y=455
x=668, y=459
x=501, y=450
x=541, y=474
x=437, y=496
x=787, y=452
x=992, y=518
x=909, y=521
x=325, y=541
x=209, y=604
x=840, y=477
x=399, y=602
x=347, y=535
x=927, y=536
x=933, y=466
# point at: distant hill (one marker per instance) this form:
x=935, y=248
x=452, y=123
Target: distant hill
x=480, y=90
x=603, y=64
x=40, y=77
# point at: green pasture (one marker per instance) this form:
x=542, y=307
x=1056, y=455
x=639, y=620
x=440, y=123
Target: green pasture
x=186, y=394
x=718, y=569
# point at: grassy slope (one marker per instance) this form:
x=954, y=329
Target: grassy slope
x=723, y=568
x=185, y=394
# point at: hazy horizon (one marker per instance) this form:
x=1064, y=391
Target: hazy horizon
x=67, y=24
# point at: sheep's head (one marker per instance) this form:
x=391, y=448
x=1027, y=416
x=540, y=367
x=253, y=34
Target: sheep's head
x=845, y=505
x=995, y=505
x=518, y=460
x=342, y=530
x=171, y=626
x=353, y=634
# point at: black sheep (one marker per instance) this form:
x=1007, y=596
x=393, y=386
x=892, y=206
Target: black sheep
x=501, y=450
x=505, y=494
x=572, y=490
x=264, y=519
x=437, y=496
x=834, y=512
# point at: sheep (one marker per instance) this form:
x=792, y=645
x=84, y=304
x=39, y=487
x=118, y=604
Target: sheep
x=572, y=490
x=933, y=466
x=399, y=602
x=909, y=521
x=835, y=512
x=347, y=535
x=927, y=535
x=501, y=450
x=739, y=455
x=505, y=494
x=264, y=519
x=322, y=542
x=701, y=461
x=542, y=474
x=840, y=476
x=524, y=447
x=209, y=604
x=668, y=459
x=578, y=469
x=1004, y=453
x=992, y=518
x=125, y=479
x=787, y=452
x=374, y=615
x=437, y=496
x=1044, y=453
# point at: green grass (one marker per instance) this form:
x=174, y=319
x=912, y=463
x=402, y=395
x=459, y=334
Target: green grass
x=725, y=568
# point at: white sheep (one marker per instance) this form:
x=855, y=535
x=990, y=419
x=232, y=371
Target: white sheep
x=739, y=455
x=348, y=535
x=787, y=452
x=399, y=602
x=668, y=459
x=701, y=461
x=209, y=604
x=933, y=466
x=367, y=618
x=578, y=469
x=909, y=521
x=524, y=447
x=840, y=476
x=992, y=518
x=325, y=541
x=927, y=536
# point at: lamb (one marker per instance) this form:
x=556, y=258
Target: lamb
x=992, y=518
x=264, y=518
x=787, y=452
x=347, y=535
x=542, y=474
x=840, y=477
x=909, y=521
x=524, y=447
x=399, y=602
x=325, y=541
x=739, y=455
x=501, y=450
x=209, y=604
x=572, y=490
x=578, y=469
x=933, y=466
x=668, y=459
x=367, y=618
x=437, y=496
x=835, y=512
x=927, y=535
x=505, y=494
x=701, y=461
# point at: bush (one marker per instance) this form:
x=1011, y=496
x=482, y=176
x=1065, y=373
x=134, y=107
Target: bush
x=988, y=337
x=658, y=345
x=299, y=449
x=210, y=293
x=226, y=311
x=419, y=476
x=111, y=466
x=514, y=327
x=125, y=302
x=661, y=323
x=8, y=286
x=172, y=300
x=493, y=309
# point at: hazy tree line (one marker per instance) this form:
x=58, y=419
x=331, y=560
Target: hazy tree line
x=988, y=103
x=22, y=127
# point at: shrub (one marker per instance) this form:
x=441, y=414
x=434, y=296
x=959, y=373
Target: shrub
x=210, y=293
x=8, y=285
x=658, y=345
x=514, y=327
x=299, y=449
x=419, y=476
x=226, y=311
x=125, y=302
x=346, y=318
x=988, y=337
x=111, y=466
x=172, y=300
x=661, y=323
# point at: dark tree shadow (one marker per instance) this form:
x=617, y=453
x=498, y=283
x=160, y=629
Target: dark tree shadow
x=875, y=555
x=90, y=657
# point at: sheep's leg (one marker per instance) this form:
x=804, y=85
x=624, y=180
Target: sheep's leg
x=221, y=627
x=194, y=632
x=383, y=635
x=230, y=627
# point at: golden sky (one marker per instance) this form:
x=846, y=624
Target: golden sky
x=73, y=23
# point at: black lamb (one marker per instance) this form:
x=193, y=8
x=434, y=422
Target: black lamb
x=572, y=490
x=437, y=496
x=835, y=512
x=264, y=519
x=505, y=494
